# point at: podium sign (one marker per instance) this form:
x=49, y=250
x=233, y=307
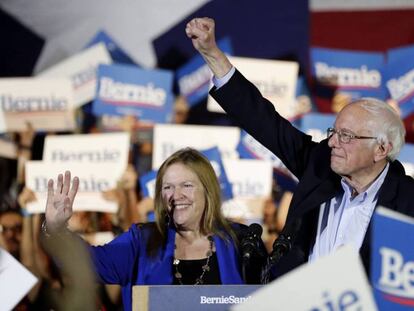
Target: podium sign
x=189, y=297
x=335, y=282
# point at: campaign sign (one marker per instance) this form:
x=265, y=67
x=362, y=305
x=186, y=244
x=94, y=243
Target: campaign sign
x=15, y=281
x=109, y=149
x=129, y=90
x=214, y=156
x=147, y=181
x=317, y=124
x=392, y=260
x=251, y=182
x=332, y=283
x=402, y=52
x=46, y=103
x=93, y=180
x=118, y=55
x=355, y=73
x=195, y=76
x=250, y=148
x=406, y=157
x=168, y=138
x=399, y=81
x=81, y=70
x=275, y=79
x=303, y=101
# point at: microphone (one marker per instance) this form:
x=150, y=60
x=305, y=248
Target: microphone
x=283, y=243
x=250, y=242
x=281, y=246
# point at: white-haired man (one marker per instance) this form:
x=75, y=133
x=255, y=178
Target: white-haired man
x=342, y=179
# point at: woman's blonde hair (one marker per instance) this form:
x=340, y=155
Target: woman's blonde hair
x=212, y=220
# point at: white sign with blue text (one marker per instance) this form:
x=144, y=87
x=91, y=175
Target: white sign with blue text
x=107, y=149
x=93, y=180
x=169, y=138
x=333, y=283
x=81, y=70
x=275, y=79
x=251, y=182
x=47, y=104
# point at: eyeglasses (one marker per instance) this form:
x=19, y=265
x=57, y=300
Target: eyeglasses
x=344, y=136
x=14, y=229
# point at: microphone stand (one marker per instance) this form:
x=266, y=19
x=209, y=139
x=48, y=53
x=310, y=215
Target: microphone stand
x=281, y=246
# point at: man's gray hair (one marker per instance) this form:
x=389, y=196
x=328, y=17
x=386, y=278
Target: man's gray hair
x=386, y=124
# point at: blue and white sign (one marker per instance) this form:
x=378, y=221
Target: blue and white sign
x=118, y=55
x=356, y=73
x=147, y=182
x=194, y=77
x=399, y=82
x=392, y=260
x=129, y=90
x=214, y=156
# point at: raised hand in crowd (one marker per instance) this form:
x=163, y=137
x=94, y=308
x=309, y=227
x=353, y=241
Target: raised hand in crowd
x=60, y=201
x=201, y=31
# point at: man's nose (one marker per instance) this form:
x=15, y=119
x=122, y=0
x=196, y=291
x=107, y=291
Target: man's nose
x=333, y=141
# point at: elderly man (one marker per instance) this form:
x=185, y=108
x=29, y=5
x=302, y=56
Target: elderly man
x=342, y=179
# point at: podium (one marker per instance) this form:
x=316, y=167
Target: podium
x=189, y=297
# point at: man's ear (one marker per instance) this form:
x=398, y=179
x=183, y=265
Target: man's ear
x=382, y=151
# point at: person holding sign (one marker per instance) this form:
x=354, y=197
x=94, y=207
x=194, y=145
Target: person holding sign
x=342, y=179
x=190, y=242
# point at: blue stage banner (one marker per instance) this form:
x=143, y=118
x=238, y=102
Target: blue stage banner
x=194, y=77
x=392, y=260
x=129, y=90
x=316, y=125
x=355, y=73
x=118, y=55
x=214, y=156
x=190, y=297
x=147, y=181
x=399, y=80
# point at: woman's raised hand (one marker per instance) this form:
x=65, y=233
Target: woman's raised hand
x=60, y=201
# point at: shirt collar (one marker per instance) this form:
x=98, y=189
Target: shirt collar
x=371, y=192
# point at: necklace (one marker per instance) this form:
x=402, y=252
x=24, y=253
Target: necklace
x=205, y=268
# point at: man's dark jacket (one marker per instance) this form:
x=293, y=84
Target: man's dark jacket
x=310, y=163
